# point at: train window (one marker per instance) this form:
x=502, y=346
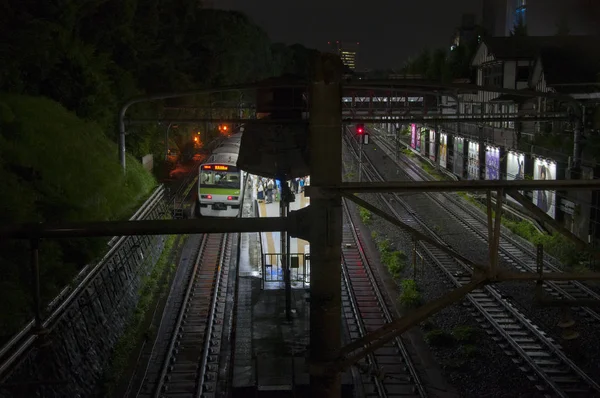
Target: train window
x=219, y=179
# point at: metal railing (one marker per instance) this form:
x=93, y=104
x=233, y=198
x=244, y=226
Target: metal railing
x=123, y=266
x=273, y=271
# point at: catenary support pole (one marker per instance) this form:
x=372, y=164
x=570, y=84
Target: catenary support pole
x=325, y=129
x=360, y=155
x=288, y=271
x=496, y=242
x=490, y=225
x=284, y=252
x=35, y=283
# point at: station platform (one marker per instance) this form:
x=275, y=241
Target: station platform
x=299, y=250
x=270, y=350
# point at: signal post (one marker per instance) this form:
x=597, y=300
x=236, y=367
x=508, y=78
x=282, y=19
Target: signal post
x=325, y=133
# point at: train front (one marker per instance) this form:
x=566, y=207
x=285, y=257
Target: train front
x=220, y=190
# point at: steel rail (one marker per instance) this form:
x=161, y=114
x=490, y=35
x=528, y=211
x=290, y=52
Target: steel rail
x=176, y=329
x=527, y=254
x=212, y=315
x=382, y=305
x=476, y=299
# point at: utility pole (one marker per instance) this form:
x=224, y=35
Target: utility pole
x=284, y=210
x=360, y=155
x=167, y=142
x=325, y=133
x=577, y=145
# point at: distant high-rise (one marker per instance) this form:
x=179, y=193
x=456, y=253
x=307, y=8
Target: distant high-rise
x=348, y=52
x=466, y=32
x=542, y=17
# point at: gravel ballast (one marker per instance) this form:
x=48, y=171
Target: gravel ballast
x=477, y=367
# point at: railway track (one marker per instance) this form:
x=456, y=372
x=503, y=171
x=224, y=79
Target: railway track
x=389, y=371
x=531, y=350
x=519, y=255
x=190, y=363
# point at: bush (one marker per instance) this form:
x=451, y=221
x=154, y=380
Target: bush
x=469, y=350
x=464, y=333
x=395, y=262
x=365, y=215
x=556, y=245
x=383, y=246
x=439, y=338
x=410, y=296
x=56, y=168
x=67, y=168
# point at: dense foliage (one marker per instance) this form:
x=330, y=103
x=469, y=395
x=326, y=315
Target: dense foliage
x=89, y=57
x=443, y=65
x=55, y=167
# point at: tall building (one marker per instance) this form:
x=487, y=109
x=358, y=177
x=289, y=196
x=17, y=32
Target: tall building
x=466, y=32
x=542, y=17
x=348, y=52
x=516, y=13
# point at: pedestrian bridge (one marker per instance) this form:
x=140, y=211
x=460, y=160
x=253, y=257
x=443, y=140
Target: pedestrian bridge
x=373, y=105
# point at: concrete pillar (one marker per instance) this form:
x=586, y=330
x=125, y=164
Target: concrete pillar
x=326, y=226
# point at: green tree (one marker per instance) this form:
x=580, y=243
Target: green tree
x=293, y=60
x=56, y=167
x=437, y=65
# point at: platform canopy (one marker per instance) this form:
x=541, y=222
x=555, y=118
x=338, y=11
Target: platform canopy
x=275, y=150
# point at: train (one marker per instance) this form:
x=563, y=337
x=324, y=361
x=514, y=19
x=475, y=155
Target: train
x=221, y=183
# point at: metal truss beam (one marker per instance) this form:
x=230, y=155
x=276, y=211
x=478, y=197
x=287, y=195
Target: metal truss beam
x=360, y=348
x=542, y=216
x=391, y=118
x=205, y=225
x=208, y=107
x=416, y=234
x=214, y=120
x=450, y=88
x=454, y=186
x=180, y=94
x=504, y=275
x=451, y=118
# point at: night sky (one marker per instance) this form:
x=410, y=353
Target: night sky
x=389, y=31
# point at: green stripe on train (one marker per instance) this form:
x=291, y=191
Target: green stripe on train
x=219, y=191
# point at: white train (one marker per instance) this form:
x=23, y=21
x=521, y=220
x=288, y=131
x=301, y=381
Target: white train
x=220, y=183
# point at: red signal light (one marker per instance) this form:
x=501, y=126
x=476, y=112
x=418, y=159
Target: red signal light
x=230, y=198
x=208, y=196
x=360, y=129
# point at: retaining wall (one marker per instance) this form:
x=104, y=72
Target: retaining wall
x=77, y=350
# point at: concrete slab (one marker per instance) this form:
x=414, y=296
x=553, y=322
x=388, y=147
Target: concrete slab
x=270, y=351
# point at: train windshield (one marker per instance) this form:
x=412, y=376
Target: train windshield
x=220, y=179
